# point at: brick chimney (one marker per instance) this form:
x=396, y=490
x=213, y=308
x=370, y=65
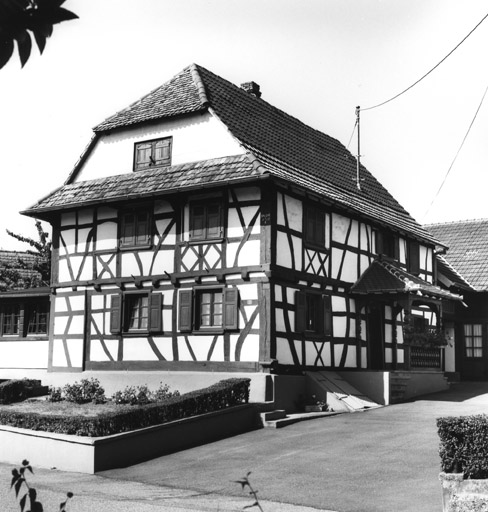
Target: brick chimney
x=251, y=88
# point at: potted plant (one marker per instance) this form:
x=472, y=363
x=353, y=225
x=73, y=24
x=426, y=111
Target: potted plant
x=317, y=406
x=464, y=462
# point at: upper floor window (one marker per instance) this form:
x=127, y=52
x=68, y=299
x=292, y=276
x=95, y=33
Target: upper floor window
x=314, y=227
x=206, y=221
x=152, y=153
x=387, y=244
x=413, y=257
x=135, y=229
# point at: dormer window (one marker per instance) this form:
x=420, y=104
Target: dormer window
x=152, y=153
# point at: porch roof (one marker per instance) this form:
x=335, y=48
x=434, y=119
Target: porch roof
x=385, y=277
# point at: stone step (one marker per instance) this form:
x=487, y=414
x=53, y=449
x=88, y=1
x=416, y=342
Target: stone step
x=277, y=414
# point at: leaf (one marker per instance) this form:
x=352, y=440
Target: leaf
x=40, y=39
x=25, y=462
x=6, y=50
x=18, y=485
x=24, y=44
x=22, y=502
x=243, y=482
x=255, y=504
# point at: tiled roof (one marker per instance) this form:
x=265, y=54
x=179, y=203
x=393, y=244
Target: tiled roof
x=383, y=276
x=444, y=268
x=10, y=259
x=467, y=241
x=150, y=183
x=288, y=148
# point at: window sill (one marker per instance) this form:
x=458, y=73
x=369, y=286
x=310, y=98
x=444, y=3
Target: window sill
x=203, y=241
x=135, y=247
x=32, y=337
x=316, y=247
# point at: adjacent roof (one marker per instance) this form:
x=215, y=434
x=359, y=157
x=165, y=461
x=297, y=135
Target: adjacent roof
x=20, y=262
x=468, y=248
x=384, y=277
x=448, y=275
x=284, y=146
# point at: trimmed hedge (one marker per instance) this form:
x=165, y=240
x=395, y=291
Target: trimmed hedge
x=18, y=390
x=221, y=395
x=464, y=445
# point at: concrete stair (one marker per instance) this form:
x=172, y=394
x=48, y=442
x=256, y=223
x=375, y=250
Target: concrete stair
x=279, y=418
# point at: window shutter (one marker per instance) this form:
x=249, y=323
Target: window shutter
x=414, y=257
x=300, y=311
x=320, y=228
x=155, y=307
x=231, y=315
x=116, y=314
x=185, y=315
x=379, y=242
x=327, y=315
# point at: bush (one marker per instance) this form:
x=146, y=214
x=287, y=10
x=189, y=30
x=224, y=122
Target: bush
x=141, y=395
x=18, y=390
x=55, y=394
x=464, y=445
x=225, y=393
x=88, y=390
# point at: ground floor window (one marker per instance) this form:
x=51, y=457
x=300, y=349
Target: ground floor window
x=24, y=318
x=313, y=313
x=473, y=340
x=208, y=309
x=136, y=312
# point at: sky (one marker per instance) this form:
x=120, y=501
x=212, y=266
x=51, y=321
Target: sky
x=315, y=59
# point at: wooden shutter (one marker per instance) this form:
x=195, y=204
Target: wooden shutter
x=378, y=242
x=116, y=314
x=300, y=311
x=214, y=221
x=327, y=308
x=320, y=228
x=197, y=222
x=185, y=312
x=155, y=316
x=231, y=308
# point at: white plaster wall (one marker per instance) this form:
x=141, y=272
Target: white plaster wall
x=200, y=137
x=24, y=354
x=449, y=354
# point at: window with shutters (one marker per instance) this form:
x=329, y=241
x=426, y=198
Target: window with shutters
x=206, y=221
x=135, y=229
x=136, y=313
x=313, y=313
x=152, y=153
x=208, y=309
x=24, y=319
x=314, y=227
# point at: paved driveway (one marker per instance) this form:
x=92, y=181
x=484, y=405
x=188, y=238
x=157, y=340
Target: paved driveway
x=380, y=460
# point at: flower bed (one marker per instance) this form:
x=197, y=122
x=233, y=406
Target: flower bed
x=224, y=394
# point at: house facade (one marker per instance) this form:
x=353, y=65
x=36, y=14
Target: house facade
x=204, y=229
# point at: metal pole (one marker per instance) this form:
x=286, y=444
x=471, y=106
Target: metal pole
x=358, y=159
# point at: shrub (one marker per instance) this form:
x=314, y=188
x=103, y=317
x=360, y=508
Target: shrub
x=87, y=390
x=141, y=395
x=464, y=445
x=221, y=395
x=55, y=394
x=18, y=390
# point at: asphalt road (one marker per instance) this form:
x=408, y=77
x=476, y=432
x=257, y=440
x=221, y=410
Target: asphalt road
x=380, y=460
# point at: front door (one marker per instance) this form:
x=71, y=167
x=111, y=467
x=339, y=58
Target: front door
x=375, y=338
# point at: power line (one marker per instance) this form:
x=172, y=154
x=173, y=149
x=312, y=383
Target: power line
x=429, y=72
x=352, y=134
x=457, y=153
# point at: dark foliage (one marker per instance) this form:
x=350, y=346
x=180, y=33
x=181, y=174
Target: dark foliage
x=19, y=480
x=464, y=445
x=17, y=390
x=22, y=274
x=225, y=393
x=88, y=390
x=19, y=18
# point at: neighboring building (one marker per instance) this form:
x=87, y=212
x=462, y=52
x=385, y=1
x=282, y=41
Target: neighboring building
x=468, y=259
x=205, y=230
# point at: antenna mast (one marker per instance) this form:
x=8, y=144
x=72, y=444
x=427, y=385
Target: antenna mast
x=358, y=158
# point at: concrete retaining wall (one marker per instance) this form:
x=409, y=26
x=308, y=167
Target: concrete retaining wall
x=92, y=454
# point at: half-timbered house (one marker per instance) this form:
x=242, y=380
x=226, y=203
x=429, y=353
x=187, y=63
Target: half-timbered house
x=204, y=229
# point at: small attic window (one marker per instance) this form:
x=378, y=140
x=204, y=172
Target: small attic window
x=152, y=153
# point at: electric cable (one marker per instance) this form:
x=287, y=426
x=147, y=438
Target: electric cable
x=457, y=153
x=428, y=72
x=352, y=134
